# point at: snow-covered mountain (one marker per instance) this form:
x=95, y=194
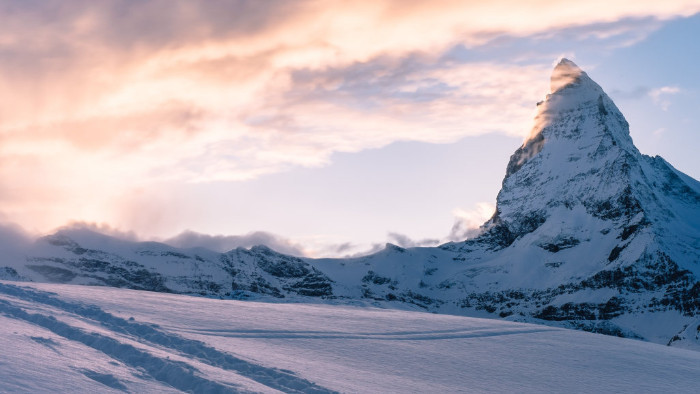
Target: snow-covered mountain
x=588, y=233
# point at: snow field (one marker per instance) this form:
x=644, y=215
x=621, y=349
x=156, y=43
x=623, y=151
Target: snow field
x=88, y=339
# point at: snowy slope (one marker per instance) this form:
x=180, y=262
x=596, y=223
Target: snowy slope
x=588, y=234
x=90, y=339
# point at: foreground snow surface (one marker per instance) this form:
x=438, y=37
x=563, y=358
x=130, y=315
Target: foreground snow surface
x=93, y=339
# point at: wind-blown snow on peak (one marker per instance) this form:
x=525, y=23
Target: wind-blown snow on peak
x=573, y=92
x=570, y=88
x=577, y=111
x=566, y=73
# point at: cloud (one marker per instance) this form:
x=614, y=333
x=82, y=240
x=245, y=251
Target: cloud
x=633, y=94
x=224, y=243
x=104, y=99
x=14, y=242
x=406, y=242
x=660, y=96
x=13, y=236
x=101, y=228
x=604, y=35
x=311, y=248
x=468, y=222
x=343, y=248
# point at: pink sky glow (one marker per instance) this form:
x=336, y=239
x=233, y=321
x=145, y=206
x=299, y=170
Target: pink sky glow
x=112, y=107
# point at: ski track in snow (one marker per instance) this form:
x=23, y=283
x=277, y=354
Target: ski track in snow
x=94, y=339
x=393, y=336
x=174, y=373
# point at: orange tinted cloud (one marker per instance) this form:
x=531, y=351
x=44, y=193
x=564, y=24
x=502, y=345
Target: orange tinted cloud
x=102, y=98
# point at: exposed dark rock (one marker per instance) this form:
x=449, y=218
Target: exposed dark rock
x=528, y=150
x=313, y=286
x=53, y=274
x=625, y=205
x=283, y=266
x=560, y=244
x=9, y=273
x=615, y=252
x=260, y=285
x=556, y=264
x=376, y=279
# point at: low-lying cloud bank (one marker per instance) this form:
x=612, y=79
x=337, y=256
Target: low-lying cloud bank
x=15, y=240
x=224, y=243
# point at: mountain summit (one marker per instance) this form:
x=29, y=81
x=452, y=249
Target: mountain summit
x=588, y=233
x=565, y=73
x=579, y=155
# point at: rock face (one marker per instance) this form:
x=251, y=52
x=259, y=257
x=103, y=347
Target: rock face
x=588, y=233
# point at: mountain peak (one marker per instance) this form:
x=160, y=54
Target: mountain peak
x=577, y=107
x=564, y=74
x=573, y=90
x=579, y=154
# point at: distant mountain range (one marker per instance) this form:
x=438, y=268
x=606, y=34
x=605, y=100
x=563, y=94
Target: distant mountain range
x=588, y=234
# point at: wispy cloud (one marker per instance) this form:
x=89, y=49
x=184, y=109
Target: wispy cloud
x=660, y=95
x=103, y=99
x=405, y=241
x=468, y=222
x=224, y=243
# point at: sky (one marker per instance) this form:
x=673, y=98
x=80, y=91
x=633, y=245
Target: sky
x=318, y=128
